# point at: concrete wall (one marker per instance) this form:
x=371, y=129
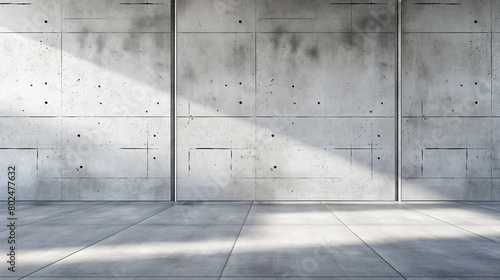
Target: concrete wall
x=450, y=103
x=286, y=99
x=85, y=88
x=277, y=99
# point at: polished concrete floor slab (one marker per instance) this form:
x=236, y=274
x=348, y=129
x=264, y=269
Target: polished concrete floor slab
x=119, y=277
x=303, y=250
x=453, y=278
x=487, y=204
x=153, y=250
x=40, y=245
x=491, y=232
x=203, y=214
x=37, y=211
x=378, y=213
x=433, y=250
x=312, y=278
x=255, y=240
x=118, y=213
x=290, y=213
x=457, y=213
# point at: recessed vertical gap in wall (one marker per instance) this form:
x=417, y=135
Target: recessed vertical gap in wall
x=255, y=102
x=60, y=114
x=173, y=100
x=399, y=104
x=491, y=99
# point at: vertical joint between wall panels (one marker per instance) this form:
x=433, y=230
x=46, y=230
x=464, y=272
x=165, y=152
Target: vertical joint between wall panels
x=399, y=104
x=399, y=101
x=491, y=99
x=173, y=100
x=60, y=108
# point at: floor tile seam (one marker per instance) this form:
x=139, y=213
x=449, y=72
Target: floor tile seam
x=429, y=215
x=168, y=208
x=453, y=276
x=398, y=225
x=292, y=225
x=425, y=214
x=92, y=244
x=366, y=244
x=475, y=233
x=152, y=276
x=242, y=277
x=214, y=203
x=236, y=240
x=483, y=206
x=109, y=224
x=191, y=225
x=345, y=275
x=457, y=226
x=81, y=210
x=239, y=224
x=130, y=276
x=330, y=277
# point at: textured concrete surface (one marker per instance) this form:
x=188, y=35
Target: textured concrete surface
x=261, y=240
x=450, y=58
x=286, y=100
x=87, y=99
x=277, y=100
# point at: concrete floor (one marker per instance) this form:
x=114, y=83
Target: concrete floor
x=260, y=240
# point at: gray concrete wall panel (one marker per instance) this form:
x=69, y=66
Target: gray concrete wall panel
x=30, y=16
x=495, y=82
x=324, y=147
x=495, y=148
x=447, y=163
x=106, y=131
x=479, y=163
x=116, y=74
x=277, y=100
x=326, y=132
x=317, y=100
x=447, y=189
x=30, y=132
x=219, y=174
x=216, y=133
x=495, y=190
x=88, y=85
x=303, y=16
x=495, y=15
x=36, y=175
x=447, y=16
x=115, y=189
x=216, y=74
x=342, y=80
x=216, y=100
x=216, y=158
x=456, y=69
x=325, y=16
x=115, y=16
x=321, y=189
x=210, y=188
x=83, y=162
x=448, y=135
x=216, y=16
x=36, y=77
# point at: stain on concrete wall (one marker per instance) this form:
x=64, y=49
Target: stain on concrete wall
x=87, y=105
